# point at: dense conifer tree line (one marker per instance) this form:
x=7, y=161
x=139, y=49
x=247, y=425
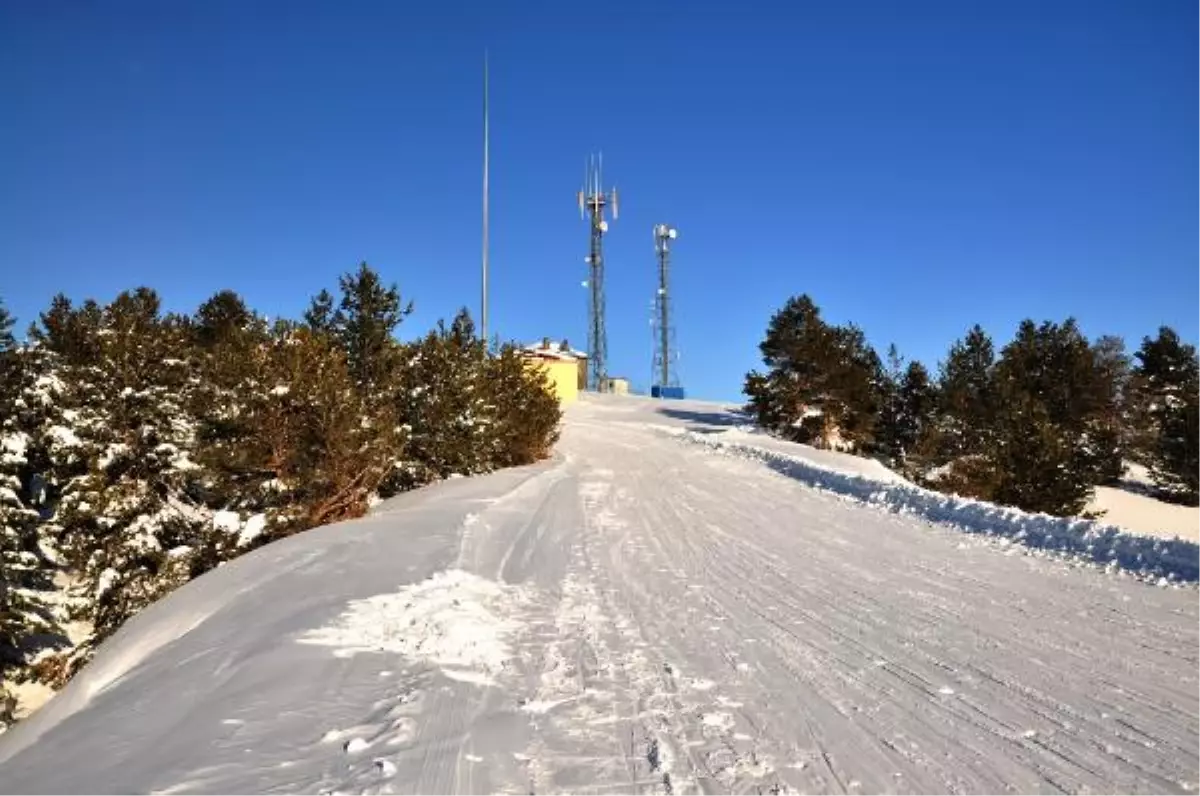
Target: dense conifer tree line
x=1036, y=425
x=139, y=449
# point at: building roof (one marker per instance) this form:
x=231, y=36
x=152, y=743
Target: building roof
x=548, y=349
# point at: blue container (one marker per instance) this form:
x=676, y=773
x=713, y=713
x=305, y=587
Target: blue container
x=667, y=393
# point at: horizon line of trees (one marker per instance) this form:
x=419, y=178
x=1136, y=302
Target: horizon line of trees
x=140, y=449
x=1037, y=425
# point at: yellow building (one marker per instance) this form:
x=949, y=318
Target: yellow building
x=561, y=365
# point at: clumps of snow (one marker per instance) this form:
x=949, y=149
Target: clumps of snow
x=718, y=720
x=112, y=453
x=227, y=521
x=63, y=437
x=230, y=522
x=1084, y=541
x=455, y=621
x=355, y=745
x=12, y=447
x=105, y=582
x=252, y=529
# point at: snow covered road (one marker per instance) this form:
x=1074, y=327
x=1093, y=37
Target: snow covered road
x=639, y=615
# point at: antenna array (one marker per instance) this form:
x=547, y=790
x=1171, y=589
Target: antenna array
x=593, y=201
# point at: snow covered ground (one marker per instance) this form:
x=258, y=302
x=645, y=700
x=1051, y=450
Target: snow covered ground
x=1144, y=514
x=666, y=607
x=1132, y=507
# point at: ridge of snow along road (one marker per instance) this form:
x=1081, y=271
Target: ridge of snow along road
x=1164, y=561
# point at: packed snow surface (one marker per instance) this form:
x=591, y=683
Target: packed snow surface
x=670, y=605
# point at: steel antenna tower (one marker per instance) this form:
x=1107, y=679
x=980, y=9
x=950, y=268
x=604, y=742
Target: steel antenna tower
x=664, y=338
x=592, y=202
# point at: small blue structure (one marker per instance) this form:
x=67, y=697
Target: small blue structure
x=666, y=393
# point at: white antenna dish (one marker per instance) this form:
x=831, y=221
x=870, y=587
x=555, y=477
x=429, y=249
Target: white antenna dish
x=604, y=226
x=672, y=233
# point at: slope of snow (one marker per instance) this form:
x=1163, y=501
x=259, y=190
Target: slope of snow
x=650, y=615
x=1146, y=515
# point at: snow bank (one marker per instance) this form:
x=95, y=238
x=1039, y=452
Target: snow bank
x=456, y=621
x=1082, y=540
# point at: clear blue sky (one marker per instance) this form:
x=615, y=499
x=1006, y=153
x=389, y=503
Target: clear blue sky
x=916, y=167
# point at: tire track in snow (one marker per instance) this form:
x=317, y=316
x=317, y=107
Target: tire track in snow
x=846, y=627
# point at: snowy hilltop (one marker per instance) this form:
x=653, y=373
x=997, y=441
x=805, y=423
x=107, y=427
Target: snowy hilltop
x=667, y=605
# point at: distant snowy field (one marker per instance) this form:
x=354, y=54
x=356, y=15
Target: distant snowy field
x=673, y=604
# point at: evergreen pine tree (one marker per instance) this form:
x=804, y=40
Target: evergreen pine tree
x=1178, y=467
x=16, y=612
x=25, y=614
x=126, y=522
x=364, y=323
x=857, y=385
x=1167, y=365
x=1054, y=409
x=887, y=427
x=1166, y=385
x=71, y=333
x=524, y=413
x=1111, y=426
x=917, y=415
x=320, y=313
x=230, y=341
x=965, y=390
x=823, y=382
x=302, y=445
x=222, y=319
x=441, y=400
x=1035, y=464
x=6, y=325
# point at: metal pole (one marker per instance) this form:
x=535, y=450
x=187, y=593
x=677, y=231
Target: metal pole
x=484, y=312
